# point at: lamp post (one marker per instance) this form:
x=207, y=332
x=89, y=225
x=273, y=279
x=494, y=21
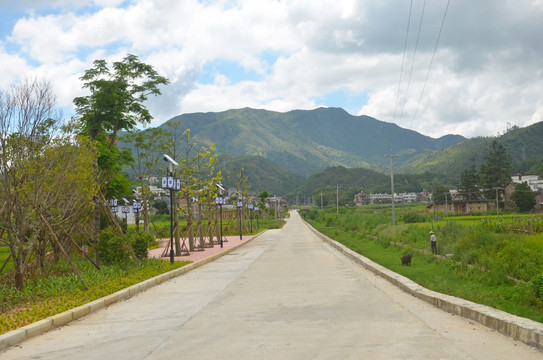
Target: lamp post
x=114, y=208
x=169, y=182
x=250, y=207
x=240, y=205
x=256, y=209
x=136, y=206
x=219, y=200
x=125, y=209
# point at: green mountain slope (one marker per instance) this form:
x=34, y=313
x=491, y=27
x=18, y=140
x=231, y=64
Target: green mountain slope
x=521, y=144
x=307, y=141
x=263, y=174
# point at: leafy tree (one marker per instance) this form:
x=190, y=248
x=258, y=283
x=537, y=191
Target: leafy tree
x=189, y=184
x=148, y=147
x=468, y=188
x=205, y=176
x=262, y=200
x=496, y=172
x=116, y=103
x=161, y=207
x=523, y=197
x=44, y=187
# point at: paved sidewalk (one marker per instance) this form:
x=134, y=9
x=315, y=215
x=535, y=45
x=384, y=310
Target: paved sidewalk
x=195, y=256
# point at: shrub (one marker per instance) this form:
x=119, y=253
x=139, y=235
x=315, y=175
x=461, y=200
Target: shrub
x=113, y=248
x=140, y=243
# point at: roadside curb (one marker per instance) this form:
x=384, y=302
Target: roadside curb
x=525, y=330
x=17, y=336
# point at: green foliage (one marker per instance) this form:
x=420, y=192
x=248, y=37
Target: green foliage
x=523, y=197
x=537, y=285
x=161, y=207
x=304, y=142
x=113, y=247
x=496, y=172
x=61, y=290
x=414, y=218
x=141, y=241
x=468, y=188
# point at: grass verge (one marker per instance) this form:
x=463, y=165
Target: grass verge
x=61, y=290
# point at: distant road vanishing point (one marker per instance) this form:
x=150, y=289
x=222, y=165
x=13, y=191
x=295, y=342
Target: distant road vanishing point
x=284, y=295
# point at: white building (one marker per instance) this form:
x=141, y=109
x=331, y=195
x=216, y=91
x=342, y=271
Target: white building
x=532, y=180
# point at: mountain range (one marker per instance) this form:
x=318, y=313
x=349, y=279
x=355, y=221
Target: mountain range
x=303, y=150
x=308, y=141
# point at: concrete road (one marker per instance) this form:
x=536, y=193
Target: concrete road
x=285, y=295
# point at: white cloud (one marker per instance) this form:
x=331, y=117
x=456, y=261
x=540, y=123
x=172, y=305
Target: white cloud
x=487, y=71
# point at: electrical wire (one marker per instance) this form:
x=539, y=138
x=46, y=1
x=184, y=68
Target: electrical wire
x=413, y=61
x=431, y=63
x=403, y=60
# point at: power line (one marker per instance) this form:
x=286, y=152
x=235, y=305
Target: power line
x=431, y=63
x=403, y=60
x=413, y=61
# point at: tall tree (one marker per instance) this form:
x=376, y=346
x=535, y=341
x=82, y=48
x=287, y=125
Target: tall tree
x=188, y=186
x=468, y=188
x=116, y=103
x=496, y=172
x=205, y=177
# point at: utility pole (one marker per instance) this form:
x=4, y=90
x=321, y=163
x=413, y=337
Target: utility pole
x=498, y=202
x=337, y=199
x=392, y=185
x=321, y=201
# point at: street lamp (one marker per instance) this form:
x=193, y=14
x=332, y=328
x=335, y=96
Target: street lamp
x=240, y=205
x=250, y=207
x=169, y=182
x=219, y=200
x=256, y=209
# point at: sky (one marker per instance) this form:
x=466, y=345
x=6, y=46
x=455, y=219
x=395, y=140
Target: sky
x=438, y=67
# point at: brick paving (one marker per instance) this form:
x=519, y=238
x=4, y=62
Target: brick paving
x=198, y=255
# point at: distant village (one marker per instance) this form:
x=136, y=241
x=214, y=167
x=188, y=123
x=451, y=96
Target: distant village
x=458, y=204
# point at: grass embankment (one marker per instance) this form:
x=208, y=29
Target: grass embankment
x=61, y=290
x=495, y=262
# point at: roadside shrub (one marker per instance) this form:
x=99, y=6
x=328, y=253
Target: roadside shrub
x=113, y=248
x=140, y=243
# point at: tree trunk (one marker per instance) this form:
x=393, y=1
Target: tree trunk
x=19, y=280
x=145, y=214
x=189, y=224
x=176, y=226
x=200, y=227
x=96, y=213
